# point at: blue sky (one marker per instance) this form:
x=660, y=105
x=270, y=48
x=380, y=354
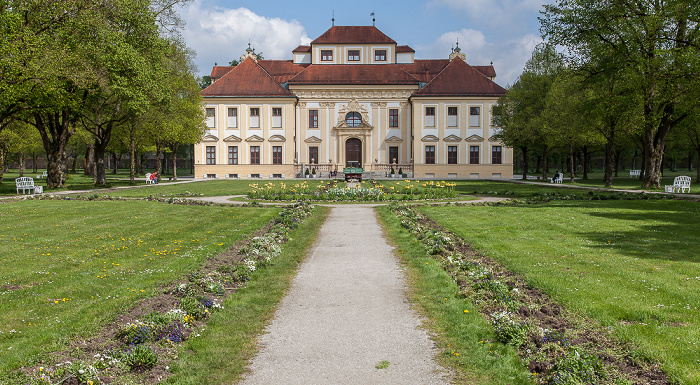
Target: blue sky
x=500, y=31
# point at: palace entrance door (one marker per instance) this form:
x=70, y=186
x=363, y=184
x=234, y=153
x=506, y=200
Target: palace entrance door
x=353, y=151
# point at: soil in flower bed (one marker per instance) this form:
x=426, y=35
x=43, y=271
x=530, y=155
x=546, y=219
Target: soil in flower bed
x=108, y=339
x=537, y=309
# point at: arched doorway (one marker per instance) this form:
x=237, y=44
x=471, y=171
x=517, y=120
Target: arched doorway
x=353, y=150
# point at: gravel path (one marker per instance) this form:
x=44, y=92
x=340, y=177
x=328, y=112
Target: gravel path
x=346, y=312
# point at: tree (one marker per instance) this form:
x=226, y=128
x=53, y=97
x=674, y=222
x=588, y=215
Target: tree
x=657, y=42
x=520, y=113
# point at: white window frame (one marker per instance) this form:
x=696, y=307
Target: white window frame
x=276, y=120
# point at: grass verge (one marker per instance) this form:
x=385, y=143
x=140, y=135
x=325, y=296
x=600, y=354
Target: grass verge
x=465, y=339
x=221, y=353
x=631, y=266
x=69, y=267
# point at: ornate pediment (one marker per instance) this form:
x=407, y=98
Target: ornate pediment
x=475, y=138
x=494, y=139
x=429, y=138
x=353, y=106
x=277, y=138
x=254, y=138
x=312, y=139
x=232, y=138
x=453, y=138
x=394, y=139
x=210, y=138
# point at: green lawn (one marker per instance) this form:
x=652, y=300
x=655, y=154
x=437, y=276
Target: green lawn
x=69, y=267
x=631, y=265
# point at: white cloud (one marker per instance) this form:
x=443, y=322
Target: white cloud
x=468, y=39
x=221, y=35
x=508, y=58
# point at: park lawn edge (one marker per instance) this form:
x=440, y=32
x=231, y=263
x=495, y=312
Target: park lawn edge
x=464, y=340
x=229, y=342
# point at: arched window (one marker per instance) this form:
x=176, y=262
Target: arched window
x=353, y=119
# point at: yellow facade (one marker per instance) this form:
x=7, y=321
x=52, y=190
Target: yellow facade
x=382, y=119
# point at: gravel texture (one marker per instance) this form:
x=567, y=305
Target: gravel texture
x=345, y=313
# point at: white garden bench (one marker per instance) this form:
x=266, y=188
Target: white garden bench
x=680, y=184
x=148, y=178
x=558, y=179
x=635, y=173
x=25, y=183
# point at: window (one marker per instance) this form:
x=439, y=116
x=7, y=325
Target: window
x=354, y=55
x=255, y=117
x=211, y=117
x=451, y=116
x=254, y=154
x=496, y=155
x=313, y=154
x=232, y=154
x=211, y=155
x=474, y=154
x=232, y=117
x=276, y=154
x=276, y=117
x=353, y=119
x=474, y=113
x=313, y=118
x=429, y=154
x=451, y=154
x=326, y=55
x=393, y=117
x=380, y=55
x=393, y=154
x=430, y=116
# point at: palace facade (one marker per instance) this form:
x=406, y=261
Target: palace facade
x=352, y=95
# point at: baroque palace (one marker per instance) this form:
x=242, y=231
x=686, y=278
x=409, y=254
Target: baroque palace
x=352, y=95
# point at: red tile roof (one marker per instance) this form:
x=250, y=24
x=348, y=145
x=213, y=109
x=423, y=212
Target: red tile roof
x=302, y=48
x=425, y=70
x=219, y=71
x=488, y=71
x=353, y=35
x=354, y=74
x=460, y=79
x=404, y=48
x=282, y=70
x=247, y=79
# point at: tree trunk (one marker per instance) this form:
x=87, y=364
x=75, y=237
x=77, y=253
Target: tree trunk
x=159, y=157
x=572, y=163
x=132, y=155
x=525, y=162
x=612, y=159
x=586, y=162
x=100, y=177
x=90, y=160
x=545, y=167
x=174, y=148
x=55, y=129
x=2, y=163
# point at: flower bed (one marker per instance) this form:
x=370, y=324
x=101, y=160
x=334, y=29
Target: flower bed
x=335, y=191
x=557, y=347
x=147, y=343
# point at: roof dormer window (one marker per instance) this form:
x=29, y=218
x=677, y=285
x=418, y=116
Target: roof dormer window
x=380, y=55
x=354, y=55
x=326, y=55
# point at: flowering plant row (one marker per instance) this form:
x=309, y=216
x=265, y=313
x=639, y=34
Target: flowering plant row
x=547, y=341
x=365, y=192
x=143, y=343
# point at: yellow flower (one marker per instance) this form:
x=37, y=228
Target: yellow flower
x=466, y=311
